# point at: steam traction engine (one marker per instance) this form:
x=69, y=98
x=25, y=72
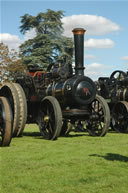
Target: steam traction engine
x=56, y=99
x=115, y=90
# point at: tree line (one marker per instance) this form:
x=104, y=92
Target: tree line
x=47, y=47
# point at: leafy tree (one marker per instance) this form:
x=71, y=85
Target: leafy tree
x=49, y=46
x=10, y=63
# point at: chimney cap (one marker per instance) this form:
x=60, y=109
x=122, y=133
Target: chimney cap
x=78, y=31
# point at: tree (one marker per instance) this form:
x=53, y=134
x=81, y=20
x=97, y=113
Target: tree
x=49, y=46
x=10, y=63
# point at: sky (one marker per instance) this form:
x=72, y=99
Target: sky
x=106, y=24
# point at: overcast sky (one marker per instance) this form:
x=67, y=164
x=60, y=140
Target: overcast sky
x=106, y=37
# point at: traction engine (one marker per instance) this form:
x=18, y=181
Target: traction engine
x=57, y=99
x=115, y=90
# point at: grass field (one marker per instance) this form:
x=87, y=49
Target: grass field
x=75, y=164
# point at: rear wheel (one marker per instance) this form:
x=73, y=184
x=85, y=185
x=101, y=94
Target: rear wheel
x=5, y=122
x=50, y=118
x=99, y=121
x=23, y=109
x=8, y=90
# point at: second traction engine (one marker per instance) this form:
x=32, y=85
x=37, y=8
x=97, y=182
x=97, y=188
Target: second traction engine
x=115, y=90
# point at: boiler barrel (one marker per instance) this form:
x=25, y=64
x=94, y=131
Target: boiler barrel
x=74, y=91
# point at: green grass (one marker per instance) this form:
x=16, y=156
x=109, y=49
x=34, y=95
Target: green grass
x=75, y=164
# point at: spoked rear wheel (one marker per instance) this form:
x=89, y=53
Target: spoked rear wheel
x=5, y=122
x=120, y=117
x=50, y=118
x=99, y=121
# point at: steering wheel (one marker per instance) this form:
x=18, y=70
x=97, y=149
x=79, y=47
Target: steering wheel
x=118, y=75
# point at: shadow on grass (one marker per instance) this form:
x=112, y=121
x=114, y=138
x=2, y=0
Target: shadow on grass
x=37, y=134
x=32, y=134
x=74, y=135
x=115, y=132
x=112, y=157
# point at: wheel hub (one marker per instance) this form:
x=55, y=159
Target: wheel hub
x=46, y=118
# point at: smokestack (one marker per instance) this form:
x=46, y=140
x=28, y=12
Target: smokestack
x=79, y=50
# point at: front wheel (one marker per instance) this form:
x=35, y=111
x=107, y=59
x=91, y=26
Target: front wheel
x=99, y=121
x=50, y=118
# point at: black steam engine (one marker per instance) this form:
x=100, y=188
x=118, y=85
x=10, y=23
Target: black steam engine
x=115, y=90
x=57, y=99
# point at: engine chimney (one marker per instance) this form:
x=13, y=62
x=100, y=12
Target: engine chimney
x=79, y=50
